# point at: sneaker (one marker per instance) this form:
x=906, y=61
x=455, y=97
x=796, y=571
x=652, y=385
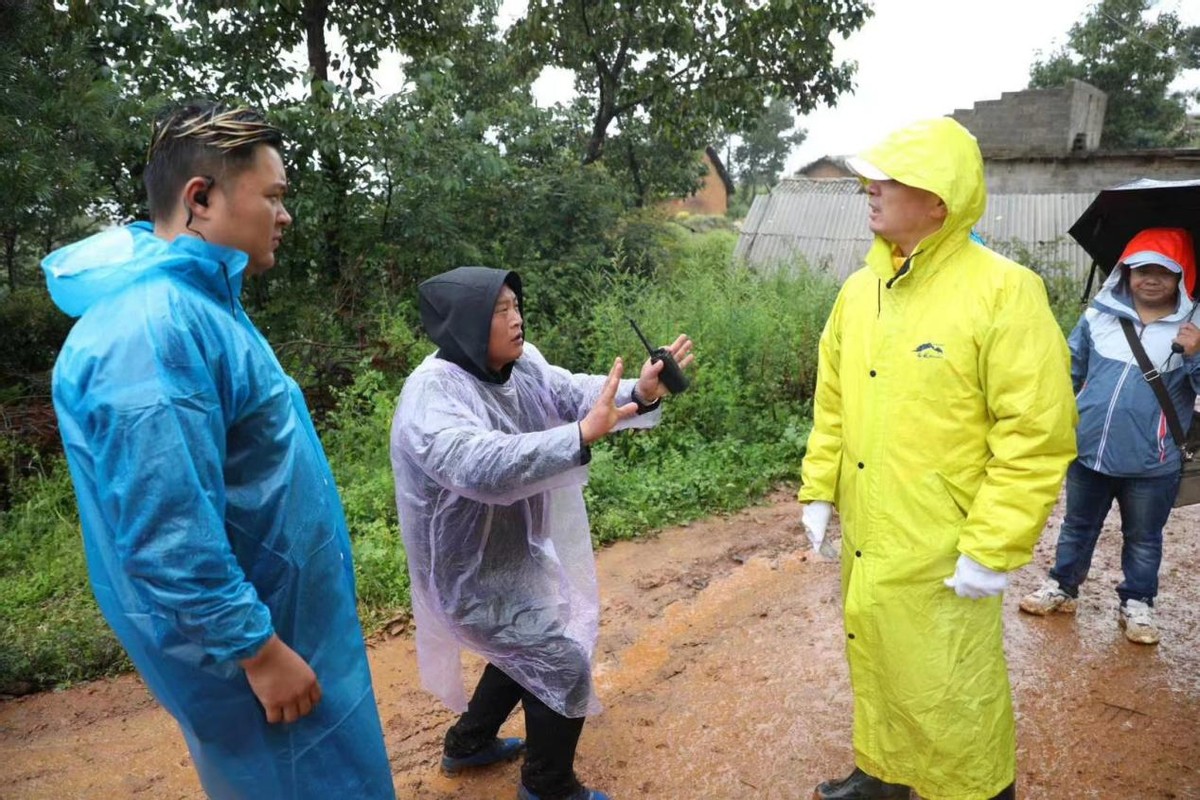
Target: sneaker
x=496, y=751
x=583, y=793
x=1049, y=598
x=1137, y=619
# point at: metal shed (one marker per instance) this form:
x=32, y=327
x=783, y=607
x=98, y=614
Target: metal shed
x=824, y=221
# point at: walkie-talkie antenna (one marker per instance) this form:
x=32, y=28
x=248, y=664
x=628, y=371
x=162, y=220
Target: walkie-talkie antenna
x=638, y=331
x=670, y=374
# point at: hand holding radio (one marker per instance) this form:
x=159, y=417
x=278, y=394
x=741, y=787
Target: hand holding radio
x=663, y=371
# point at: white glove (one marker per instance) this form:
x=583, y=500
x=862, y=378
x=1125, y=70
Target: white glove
x=975, y=581
x=815, y=519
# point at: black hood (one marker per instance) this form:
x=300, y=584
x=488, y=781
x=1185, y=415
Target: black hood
x=456, y=312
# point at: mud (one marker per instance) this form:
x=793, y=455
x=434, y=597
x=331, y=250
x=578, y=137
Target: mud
x=721, y=669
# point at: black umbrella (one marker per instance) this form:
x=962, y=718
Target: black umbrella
x=1118, y=213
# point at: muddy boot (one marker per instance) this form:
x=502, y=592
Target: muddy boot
x=858, y=785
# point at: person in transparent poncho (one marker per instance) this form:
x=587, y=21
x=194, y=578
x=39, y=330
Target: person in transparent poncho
x=489, y=446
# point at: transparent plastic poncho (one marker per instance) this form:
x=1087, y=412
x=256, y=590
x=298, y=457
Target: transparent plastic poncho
x=489, y=486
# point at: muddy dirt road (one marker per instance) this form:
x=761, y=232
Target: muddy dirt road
x=722, y=673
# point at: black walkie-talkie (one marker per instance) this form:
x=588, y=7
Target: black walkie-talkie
x=671, y=376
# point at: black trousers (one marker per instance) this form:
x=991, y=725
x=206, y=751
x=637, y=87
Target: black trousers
x=550, y=738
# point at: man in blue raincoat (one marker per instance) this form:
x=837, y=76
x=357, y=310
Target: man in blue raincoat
x=215, y=539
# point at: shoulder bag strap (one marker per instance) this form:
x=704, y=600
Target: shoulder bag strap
x=1152, y=376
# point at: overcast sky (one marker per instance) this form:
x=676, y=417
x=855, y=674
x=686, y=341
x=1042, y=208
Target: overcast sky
x=923, y=58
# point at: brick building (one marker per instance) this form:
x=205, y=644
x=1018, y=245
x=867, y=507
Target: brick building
x=712, y=198
x=1047, y=141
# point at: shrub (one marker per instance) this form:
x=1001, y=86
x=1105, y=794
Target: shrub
x=51, y=631
x=1062, y=287
x=739, y=429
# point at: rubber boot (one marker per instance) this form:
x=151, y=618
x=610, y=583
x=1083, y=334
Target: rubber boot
x=858, y=785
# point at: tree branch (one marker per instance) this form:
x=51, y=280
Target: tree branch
x=311, y=343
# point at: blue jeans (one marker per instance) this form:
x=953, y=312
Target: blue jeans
x=1145, y=504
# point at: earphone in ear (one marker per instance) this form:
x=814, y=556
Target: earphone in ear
x=201, y=196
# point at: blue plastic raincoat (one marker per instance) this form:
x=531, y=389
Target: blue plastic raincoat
x=210, y=516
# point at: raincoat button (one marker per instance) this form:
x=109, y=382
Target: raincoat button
x=861, y=465
x=850, y=635
x=872, y=373
x=858, y=553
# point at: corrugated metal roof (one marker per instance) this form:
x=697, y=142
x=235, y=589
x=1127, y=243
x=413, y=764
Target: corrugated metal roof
x=802, y=185
x=827, y=226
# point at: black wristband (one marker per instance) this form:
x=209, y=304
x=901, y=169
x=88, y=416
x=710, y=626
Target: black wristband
x=643, y=408
x=585, y=450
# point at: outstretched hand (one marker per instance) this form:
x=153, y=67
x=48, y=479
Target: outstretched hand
x=649, y=388
x=605, y=414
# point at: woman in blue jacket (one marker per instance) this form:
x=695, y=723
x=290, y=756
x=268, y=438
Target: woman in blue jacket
x=1126, y=451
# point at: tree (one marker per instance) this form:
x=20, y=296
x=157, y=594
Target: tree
x=245, y=34
x=60, y=119
x=764, y=148
x=1134, y=60
x=689, y=66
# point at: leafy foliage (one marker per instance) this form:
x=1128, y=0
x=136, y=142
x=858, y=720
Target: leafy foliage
x=1062, y=289
x=34, y=329
x=50, y=628
x=689, y=67
x=742, y=424
x=1134, y=59
x=763, y=149
x=60, y=128
x=739, y=428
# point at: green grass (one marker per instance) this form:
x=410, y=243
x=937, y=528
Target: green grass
x=736, y=432
x=51, y=631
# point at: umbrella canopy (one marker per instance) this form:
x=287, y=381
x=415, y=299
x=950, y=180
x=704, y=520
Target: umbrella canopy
x=1118, y=213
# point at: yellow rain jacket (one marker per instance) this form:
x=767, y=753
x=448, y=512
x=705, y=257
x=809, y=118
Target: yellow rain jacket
x=943, y=424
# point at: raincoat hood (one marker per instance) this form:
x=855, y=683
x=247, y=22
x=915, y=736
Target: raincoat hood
x=1170, y=247
x=942, y=157
x=108, y=262
x=456, y=312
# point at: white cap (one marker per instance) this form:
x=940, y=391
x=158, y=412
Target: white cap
x=865, y=169
x=1144, y=257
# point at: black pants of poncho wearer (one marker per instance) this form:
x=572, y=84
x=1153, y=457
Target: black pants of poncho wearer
x=550, y=738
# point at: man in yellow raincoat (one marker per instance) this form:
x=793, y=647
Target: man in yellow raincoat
x=943, y=426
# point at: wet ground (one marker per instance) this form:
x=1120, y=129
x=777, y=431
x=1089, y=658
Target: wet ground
x=722, y=672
